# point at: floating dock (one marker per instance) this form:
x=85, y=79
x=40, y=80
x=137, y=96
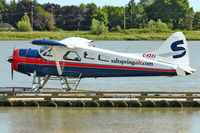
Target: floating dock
x=56, y=98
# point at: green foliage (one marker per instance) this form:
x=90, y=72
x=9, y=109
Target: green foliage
x=133, y=34
x=196, y=24
x=187, y=22
x=115, y=16
x=26, y=18
x=13, y=3
x=151, y=24
x=135, y=16
x=161, y=25
x=82, y=6
x=145, y=3
x=100, y=16
x=3, y=10
x=49, y=18
x=169, y=11
x=156, y=25
x=98, y=27
x=24, y=24
x=116, y=29
x=91, y=6
x=177, y=14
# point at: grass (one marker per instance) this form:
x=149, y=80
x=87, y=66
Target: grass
x=131, y=34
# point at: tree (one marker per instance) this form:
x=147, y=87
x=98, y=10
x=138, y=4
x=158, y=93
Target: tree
x=13, y=3
x=160, y=25
x=115, y=16
x=156, y=25
x=145, y=3
x=42, y=20
x=196, y=23
x=169, y=11
x=67, y=17
x=100, y=16
x=48, y=18
x=187, y=22
x=98, y=27
x=87, y=21
x=24, y=24
x=151, y=24
x=71, y=18
x=3, y=11
x=136, y=16
x=82, y=6
x=17, y=11
x=91, y=6
x=56, y=12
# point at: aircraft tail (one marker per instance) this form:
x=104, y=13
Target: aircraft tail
x=174, y=51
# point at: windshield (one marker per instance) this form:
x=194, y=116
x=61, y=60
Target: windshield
x=42, y=49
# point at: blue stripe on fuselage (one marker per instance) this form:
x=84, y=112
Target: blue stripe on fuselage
x=43, y=70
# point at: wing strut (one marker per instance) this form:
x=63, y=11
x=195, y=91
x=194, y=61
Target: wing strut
x=57, y=62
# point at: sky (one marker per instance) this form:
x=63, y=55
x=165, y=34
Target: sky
x=193, y=3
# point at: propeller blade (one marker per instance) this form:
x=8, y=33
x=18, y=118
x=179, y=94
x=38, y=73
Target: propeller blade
x=13, y=50
x=12, y=72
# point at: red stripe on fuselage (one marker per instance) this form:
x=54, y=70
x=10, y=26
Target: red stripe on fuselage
x=40, y=61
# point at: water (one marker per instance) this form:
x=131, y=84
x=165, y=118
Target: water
x=189, y=83
x=108, y=120
x=99, y=120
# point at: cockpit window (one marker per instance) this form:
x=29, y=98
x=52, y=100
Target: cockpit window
x=42, y=49
x=49, y=53
x=71, y=55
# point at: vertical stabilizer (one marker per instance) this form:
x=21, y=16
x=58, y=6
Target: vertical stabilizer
x=174, y=51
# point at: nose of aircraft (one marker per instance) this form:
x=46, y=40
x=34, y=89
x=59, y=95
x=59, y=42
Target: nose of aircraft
x=10, y=59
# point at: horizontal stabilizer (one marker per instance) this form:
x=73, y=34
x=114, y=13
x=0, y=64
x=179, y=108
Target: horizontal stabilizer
x=47, y=43
x=182, y=70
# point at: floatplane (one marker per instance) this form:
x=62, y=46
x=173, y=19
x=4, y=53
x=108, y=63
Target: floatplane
x=74, y=58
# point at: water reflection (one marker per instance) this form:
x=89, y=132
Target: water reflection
x=90, y=120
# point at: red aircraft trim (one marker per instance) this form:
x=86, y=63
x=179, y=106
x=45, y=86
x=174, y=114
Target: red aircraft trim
x=40, y=61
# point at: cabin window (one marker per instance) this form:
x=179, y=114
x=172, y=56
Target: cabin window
x=104, y=58
x=71, y=55
x=49, y=53
x=42, y=49
x=89, y=55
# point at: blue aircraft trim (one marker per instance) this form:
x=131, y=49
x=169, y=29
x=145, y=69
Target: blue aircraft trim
x=47, y=43
x=68, y=71
x=29, y=53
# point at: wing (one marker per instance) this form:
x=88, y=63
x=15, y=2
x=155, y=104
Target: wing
x=71, y=42
x=76, y=42
x=47, y=43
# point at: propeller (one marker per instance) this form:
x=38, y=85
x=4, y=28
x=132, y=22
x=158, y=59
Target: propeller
x=10, y=60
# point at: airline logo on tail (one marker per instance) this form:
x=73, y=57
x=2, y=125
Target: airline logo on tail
x=176, y=48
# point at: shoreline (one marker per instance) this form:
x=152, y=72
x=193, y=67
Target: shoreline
x=131, y=34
